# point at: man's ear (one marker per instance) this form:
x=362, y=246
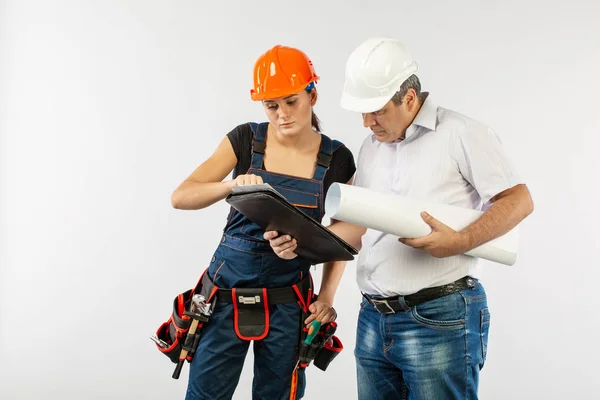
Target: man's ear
x=410, y=99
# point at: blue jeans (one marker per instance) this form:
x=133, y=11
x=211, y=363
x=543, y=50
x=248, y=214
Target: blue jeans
x=432, y=351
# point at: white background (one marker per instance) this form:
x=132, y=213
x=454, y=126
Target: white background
x=107, y=106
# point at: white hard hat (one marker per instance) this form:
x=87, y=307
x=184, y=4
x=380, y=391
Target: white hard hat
x=374, y=72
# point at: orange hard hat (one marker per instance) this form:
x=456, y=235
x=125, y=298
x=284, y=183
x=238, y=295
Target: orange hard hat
x=281, y=71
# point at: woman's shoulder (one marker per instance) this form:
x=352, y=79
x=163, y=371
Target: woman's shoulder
x=338, y=147
x=246, y=128
x=342, y=166
x=241, y=137
x=243, y=133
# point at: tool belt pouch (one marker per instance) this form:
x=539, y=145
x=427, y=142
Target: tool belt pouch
x=174, y=332
x=323, y=349
x=328, y=352
x=251, y=313
x=307, y=352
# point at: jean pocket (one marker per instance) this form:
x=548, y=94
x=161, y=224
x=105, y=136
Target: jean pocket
x=363, y=303
x=447, y=312
x=484, y=330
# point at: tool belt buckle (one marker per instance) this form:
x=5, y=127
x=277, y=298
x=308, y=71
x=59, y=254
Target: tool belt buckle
x=249, y=299
x=382, y=306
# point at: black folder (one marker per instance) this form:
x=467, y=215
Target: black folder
x=267, y=208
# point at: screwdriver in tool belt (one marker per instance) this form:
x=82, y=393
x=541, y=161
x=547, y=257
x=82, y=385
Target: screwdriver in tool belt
x=313, y=329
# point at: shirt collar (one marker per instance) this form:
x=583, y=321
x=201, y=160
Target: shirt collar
x=426, y=117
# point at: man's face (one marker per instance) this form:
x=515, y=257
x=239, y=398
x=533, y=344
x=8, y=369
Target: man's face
x=390, y=122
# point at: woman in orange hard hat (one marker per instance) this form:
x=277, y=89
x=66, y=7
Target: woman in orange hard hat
x=260, y=297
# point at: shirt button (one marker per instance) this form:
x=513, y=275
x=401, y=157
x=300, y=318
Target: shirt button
x=213, y=259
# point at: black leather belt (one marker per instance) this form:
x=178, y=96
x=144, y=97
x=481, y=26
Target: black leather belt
x=390, y=305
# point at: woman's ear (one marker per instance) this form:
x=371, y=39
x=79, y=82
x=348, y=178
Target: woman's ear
x=313, y=97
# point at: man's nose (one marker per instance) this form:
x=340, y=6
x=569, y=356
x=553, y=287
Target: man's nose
x=368, y=120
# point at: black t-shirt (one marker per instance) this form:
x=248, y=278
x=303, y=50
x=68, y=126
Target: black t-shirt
x=341, y=168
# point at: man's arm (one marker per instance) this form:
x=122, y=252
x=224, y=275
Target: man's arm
x=508, y=209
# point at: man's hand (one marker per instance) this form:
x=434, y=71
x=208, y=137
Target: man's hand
x=322, y=311
x=443, y=241
x=283, y=246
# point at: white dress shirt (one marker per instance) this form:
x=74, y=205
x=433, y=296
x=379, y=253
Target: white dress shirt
x=445, y=157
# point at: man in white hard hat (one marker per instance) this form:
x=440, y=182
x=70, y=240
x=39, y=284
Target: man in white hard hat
x=424, y=321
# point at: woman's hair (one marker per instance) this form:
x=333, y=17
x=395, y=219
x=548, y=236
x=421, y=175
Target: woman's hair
x=316, y=123
x=314, y=120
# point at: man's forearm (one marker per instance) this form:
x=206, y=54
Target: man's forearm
x=511, y=207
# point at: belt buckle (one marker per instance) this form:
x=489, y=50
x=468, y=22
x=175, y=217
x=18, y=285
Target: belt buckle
x=376, y=303
x=249, y=299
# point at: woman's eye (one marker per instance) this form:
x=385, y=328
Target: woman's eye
x=291, y=102
x=272, y=107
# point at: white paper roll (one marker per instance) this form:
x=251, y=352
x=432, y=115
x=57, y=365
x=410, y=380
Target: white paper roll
x=401, y=216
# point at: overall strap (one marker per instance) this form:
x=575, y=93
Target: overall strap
x=324, y=157
x=259, y=144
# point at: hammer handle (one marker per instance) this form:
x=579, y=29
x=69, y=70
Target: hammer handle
x=184, y=352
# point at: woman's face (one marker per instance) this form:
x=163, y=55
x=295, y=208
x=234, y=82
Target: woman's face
x=292, y=114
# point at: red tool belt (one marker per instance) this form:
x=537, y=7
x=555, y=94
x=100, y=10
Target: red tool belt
x=251, y=306
x=251, y=319
x=173, y=335
x=324, y=347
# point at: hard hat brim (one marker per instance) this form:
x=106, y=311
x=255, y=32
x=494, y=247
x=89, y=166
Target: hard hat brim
x=364, y=106
x=277, y=93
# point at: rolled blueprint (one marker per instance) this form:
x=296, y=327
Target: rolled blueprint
x=401, y=216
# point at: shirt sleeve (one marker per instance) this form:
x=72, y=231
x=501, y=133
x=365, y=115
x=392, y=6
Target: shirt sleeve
x=360, y=179
x=346, y=161
x=483, y=162
x=240, y=138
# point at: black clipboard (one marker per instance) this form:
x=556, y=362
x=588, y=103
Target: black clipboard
x=270, y=210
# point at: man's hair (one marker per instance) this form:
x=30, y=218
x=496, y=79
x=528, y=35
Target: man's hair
x=412, y=82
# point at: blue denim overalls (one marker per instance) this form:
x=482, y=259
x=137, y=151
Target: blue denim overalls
x=244, y=259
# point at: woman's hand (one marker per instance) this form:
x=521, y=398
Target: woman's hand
x=321, y=311
x=283, y=246
x=246, y=179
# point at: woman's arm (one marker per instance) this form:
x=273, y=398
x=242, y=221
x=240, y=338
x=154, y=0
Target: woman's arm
x=205, y=185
